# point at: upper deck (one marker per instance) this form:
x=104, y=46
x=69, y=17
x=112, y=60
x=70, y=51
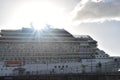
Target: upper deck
x=45, y=35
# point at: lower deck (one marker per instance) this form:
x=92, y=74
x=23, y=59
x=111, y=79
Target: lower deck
x=91, y=76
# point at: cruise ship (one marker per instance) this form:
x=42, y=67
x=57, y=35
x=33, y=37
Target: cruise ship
x=27, y=51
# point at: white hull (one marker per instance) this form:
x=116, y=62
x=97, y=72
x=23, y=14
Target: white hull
x=85, y=66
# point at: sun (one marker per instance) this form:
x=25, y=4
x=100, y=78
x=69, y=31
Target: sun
x=40, y=14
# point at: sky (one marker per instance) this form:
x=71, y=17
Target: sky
x=98, y=18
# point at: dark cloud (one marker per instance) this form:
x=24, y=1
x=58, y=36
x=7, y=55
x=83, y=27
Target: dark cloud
x=97, y=10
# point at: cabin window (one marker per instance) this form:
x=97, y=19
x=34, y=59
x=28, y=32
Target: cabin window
x=55, y=66
x=66, y=66
x=96, y=53
x=58, y=66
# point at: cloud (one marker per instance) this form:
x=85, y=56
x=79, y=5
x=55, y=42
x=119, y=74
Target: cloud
x=96, y=10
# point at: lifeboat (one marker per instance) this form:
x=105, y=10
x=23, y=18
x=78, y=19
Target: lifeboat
x=13, y=63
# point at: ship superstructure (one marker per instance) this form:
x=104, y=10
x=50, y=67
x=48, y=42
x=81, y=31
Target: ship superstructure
x=51, y=51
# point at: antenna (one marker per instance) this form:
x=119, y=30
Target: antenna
x=48, y=26
x=31, y=25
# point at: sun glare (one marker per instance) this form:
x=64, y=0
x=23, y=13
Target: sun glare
x=40, y=13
